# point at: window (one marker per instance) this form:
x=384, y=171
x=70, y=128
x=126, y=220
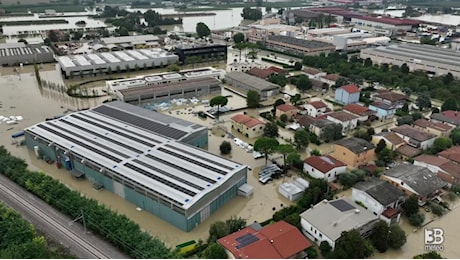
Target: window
x=320, y=235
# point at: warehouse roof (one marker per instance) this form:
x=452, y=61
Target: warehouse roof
x=138, y=155
x=130, y=39
x=310, y=44
x=254, y=82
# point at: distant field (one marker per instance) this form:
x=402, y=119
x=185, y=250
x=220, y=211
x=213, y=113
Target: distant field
x=24, y=2
x=22, y=6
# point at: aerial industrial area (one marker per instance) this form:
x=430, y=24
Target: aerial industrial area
x=263, y=130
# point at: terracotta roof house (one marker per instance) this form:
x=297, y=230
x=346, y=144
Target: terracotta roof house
x=407, y=151
x=392, y=140
x=261, y=73
x=452, y=154
x=449, y=117
x=449, y=172
x=414, y=137
x=276, y=241
x=319, y=85
x=380, y=198
x=324, y=167
x=347, y=94
x=347, y=120
x=316, y=108
x=391, y=98
x=277, y=70
x=413, y=179
x=327, y=220
x=304, y=120
x=354, y=151
x=444, y=168
x=248, y=126
x=330, y=79
x=360, y=111
x=287, y=109
x=313, y=73
x=437, y=128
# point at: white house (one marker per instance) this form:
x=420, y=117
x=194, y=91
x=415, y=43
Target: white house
x=324, y=167
x=414, y=137
x=328, y=219
x=347, y=120
x=380, y=198
x=316, y=108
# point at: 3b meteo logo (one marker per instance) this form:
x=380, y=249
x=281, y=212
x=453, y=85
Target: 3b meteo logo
x=434, y=237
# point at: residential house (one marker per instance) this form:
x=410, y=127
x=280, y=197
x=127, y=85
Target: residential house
x=354, y=151
x=413, y=179
x=261, y=73
x=380, y=198
x=391, y=98
x=248, y=126
x=275, y=241
x=347, y=120
x=382, y=110
x=449, y=117
x=324, y=167
x=347, y=94
x=447, y=170
x=327, y=220
x=319, y=126
x=406, y=151
x=286, y=109
x=316, y=108
x=313, y=73
x=392, y=140
x=452, y=154
x=414, y=137
x=363, y=113
x=278, y=70
x=437, y=128
x=318, y=85
x=330, y=79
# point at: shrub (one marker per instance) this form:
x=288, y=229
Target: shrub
x=225, y=147
x=416, y=219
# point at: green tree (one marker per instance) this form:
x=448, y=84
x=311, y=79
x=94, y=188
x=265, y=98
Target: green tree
x=387, y=156
x=352, y=246
x=416, y=219
x=284, y=118
x=278, y=102
x=455, y=136
x=380, y=146
x=240, y=46
x=397, y=237
x=441, y=144
x=266, y=145
x=332, y=132
x=429, y=255
x=303, y=83
x=380, y=237
x=423, y=101
x=404, y=69
x=301, y=138
x=325, y=248
x=202, y=30
x=123, y=31
x=278, y=79
x=251, y=14
x=217, y=230
x=285, y=150
x=214, y=251
x=367, y=62
x=315, y=152
x=405, y=120
x=411, y=206
x=52, y=35
x=450, y=104
x=292, y=158
x=271, y=129
x=173, y=68
x=218, y=101
x=416, y=115
x=253, y=99
x=238, y=37
x=448, y=78
x=225, y=147
x=295, y=99
x=297, y=65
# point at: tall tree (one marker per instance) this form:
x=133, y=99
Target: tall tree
x=380, y=236
x=303, y=83
x=352, y=246
x=450, y=104
x=202, y=30
x=285, y=149
x=423, y=101
x=253, y=99
x=218, y=101
x=397, y=237
x=441, y=144
x=295, y=99
x=301, y=138
x=225, y=147
x=455, y=136
x=380, y=146
x=238, y=37
x=266, y=145
x=271, y=129
x=411, y=206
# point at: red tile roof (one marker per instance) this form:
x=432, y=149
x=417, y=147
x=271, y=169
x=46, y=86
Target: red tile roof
x=332, y=77
x=342, y=116
x=389, y=20
x=247, y=120
x=323, y=163
x=452, y=154
x=286, y=107
x=408, y=150
x=351, y=88
x=276, y=69
x=358, y=109
x=317, y=104
x=391, y=96
x=261, y=73
x=390, y=212
x=431, y=159
x=427, y=124
x=276, y=241
x=311, y=71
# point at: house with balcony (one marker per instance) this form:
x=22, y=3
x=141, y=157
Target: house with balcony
x=380, y=198
x=347, y=94
x=413, y=179
x=414, y=137
x=324, y=167
x=354, y=152
x=248, y=126
x=382, y=110
x=316, y=108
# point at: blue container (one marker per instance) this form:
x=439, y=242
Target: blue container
x=68, y=164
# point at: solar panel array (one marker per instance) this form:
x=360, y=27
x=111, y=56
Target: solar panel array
x=246, y=240
x=342, y=205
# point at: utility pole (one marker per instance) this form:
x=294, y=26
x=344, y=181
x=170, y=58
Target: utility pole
x=81, y=216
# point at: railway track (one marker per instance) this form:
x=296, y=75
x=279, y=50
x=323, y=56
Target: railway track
x=92, y=251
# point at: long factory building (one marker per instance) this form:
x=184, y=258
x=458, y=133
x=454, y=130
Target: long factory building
x=167, y=85
x=117, y=61
x=428, y=58
x=124, y=149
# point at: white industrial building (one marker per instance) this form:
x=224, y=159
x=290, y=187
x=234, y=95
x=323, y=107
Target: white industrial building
x=17, y=53
x=73, y=65
x=428, y=58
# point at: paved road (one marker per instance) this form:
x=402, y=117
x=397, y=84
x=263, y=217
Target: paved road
x=55, y=224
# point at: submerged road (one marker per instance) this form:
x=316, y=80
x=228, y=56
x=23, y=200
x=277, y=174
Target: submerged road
x=55, y=224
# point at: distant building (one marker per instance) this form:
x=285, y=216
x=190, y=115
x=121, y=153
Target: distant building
x=135, y=41
x=313, y=73
x=330, y=79
x=14, y=54
x=261, y=73
x=246, y=82
x=447, y=170
x=354, y=151
x=324, y=167
x=297, y=46
x=380, y=198
x=437, y=128
x=449, y=117
x=327, y=220
x=391, y=98
x=347, y=94
x=276, y=241
x=205, y=52
x=286, y=109
x=414, y=137
x=248, y=126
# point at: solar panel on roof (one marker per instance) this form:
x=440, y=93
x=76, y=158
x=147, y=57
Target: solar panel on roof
x=342, y=205
x=246, y=240
x=201, y=157
x=140, y=122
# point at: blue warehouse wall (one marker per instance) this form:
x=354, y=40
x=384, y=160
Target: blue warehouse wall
x=44, y=148
x=199, y=139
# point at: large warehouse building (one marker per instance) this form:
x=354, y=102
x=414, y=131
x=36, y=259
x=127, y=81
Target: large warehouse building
x=13, y=54
x=75, y=65
x=119, y=147
x=297, y=46
x=246, y=82
x=418, y=57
